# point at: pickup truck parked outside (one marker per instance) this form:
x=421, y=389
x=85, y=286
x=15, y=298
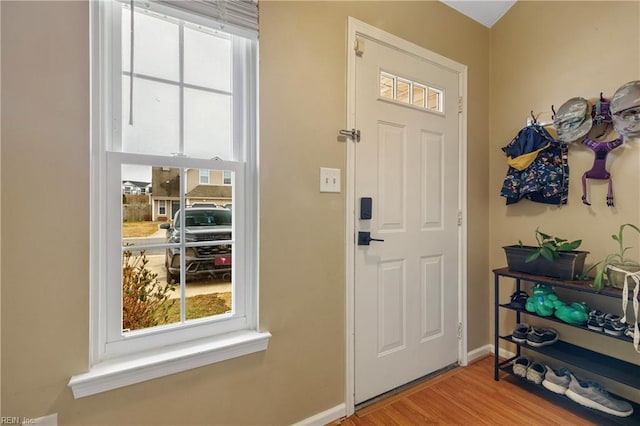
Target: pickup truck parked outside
x=206, y=225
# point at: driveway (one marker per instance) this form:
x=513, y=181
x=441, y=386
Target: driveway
x=156, y=265
x=193, y=287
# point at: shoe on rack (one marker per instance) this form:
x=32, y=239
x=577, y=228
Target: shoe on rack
x=613, y=325
x=539, y=336
x=521, y=365
x=536, y=372
x=630, y=330
x=520, y=333
x=519, y=300
x=596, y=320
x=557, y=381
x=575, y=313
x=592, y=395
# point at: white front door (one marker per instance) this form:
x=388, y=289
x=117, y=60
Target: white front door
x=408, y=164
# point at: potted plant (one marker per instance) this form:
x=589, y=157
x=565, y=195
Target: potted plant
x=618, y=260
x=553, y=257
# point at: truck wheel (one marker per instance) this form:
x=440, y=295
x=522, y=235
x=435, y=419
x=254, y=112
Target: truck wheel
x=172, y=279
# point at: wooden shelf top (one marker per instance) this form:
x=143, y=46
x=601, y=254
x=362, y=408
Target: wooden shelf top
x=583, y=286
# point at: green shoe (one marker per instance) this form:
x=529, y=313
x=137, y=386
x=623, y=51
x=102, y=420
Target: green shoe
x=543, y=300
x=573, y=314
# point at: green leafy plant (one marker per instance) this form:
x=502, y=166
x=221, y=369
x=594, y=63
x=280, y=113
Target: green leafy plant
x=549, y=247
x=145, y=300
x=617, y=259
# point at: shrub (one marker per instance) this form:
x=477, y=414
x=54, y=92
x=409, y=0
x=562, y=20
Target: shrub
x=143, y=296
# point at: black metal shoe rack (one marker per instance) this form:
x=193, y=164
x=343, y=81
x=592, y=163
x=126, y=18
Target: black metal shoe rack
x=580, y=357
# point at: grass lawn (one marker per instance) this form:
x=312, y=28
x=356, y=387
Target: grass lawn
x=139, y=229
x=200, y=306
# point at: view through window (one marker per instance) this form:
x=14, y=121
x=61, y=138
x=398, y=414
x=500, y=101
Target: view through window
x=177, y=250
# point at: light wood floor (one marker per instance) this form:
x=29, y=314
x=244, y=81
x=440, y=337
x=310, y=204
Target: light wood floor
x=465, y=396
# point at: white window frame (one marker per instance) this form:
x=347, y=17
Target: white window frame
x=162, y=205
x=119, y=359
x=204, y=176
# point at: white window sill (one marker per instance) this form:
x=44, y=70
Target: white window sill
x=119, y=372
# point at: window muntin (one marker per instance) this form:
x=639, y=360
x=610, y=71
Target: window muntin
x=410, y=92
x=164, y=110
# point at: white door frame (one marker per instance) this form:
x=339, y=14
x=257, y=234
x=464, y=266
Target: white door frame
x=356, y=27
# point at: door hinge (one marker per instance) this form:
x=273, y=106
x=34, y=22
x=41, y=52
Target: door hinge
x=358, y=46
x=460, y=104
x=459, y=217
x=459, y=330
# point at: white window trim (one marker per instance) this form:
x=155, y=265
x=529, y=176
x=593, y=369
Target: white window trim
x=233, y=336
x=162, y=204
x=125, y=371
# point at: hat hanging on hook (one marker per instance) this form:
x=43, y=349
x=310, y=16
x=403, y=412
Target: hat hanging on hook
x=625, y=109
x=573, y=120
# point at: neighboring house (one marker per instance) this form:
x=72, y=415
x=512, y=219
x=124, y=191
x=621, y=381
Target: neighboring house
x=201, y=185
x=165, y=187
x=131, y=187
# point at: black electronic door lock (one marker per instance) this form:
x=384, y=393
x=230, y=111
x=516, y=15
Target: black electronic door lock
x=364, y=238
x=365, y=208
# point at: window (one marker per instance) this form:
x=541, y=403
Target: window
x=226, y=177
x=410, y=92
x=178, y=95
x=204, y=176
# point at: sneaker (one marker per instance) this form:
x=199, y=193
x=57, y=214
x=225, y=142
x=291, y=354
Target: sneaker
x=557, y=381
x=536, y=372
x=613, y=325
x=520, y=333
x=596, y=320
x=629, y=331
x=541, y=336
x=519, y=300
x=592, y=395
x=521, y=365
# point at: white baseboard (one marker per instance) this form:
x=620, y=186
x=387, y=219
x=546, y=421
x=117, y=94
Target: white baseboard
x=503, y=353
x=325, y=417
x=479, y=353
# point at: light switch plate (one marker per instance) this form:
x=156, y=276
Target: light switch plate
x=329, y=180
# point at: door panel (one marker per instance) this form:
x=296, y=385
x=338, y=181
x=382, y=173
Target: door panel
x=391, y=317
x=391, y=180
x=432, y=168
x=406, y=287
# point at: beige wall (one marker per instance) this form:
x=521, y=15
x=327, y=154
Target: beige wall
x=0, y=210
x=45, y=252
x=582, y=49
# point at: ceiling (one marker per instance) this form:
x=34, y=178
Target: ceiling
x=486, y=12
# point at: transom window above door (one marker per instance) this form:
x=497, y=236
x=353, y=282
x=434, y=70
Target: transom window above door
x=410, y=92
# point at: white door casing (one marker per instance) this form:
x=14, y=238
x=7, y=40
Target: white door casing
x=406, y=295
